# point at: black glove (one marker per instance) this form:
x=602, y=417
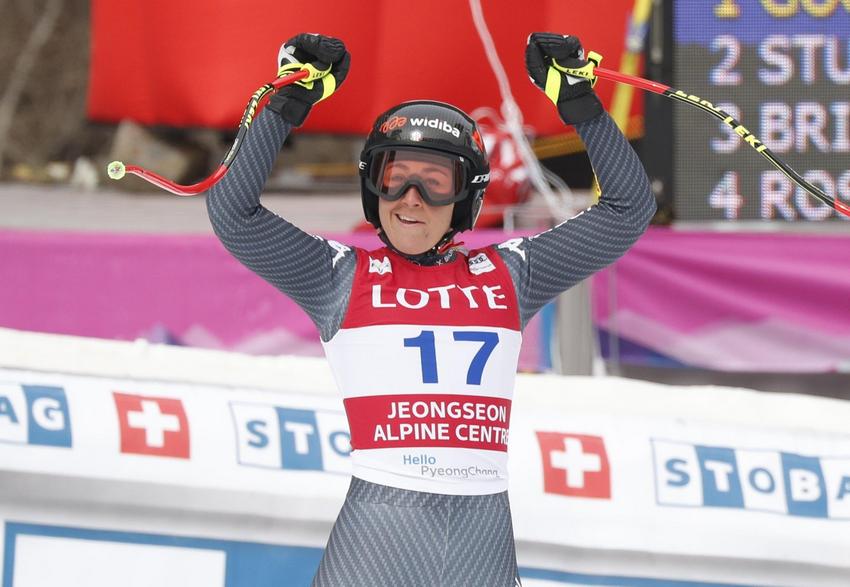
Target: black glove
x=546, y=57
x=327, y=60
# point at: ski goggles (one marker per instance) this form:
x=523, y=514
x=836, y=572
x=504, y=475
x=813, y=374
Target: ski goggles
x=440, y=178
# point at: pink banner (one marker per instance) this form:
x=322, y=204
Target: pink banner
x=181, y=289
x=731, y=301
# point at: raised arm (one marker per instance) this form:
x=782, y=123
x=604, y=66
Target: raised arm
x=547, y=264
x=314, y=272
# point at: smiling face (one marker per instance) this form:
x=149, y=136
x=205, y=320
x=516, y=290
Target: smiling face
x=412, y=225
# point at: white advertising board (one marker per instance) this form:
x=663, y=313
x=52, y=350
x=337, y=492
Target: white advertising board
x=609, y=477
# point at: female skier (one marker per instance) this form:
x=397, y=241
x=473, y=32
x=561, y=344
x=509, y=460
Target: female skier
x=423, y=336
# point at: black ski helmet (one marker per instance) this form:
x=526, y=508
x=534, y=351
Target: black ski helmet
x=431, y=126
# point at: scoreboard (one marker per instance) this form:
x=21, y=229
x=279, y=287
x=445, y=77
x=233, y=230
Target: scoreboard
x=782, y=69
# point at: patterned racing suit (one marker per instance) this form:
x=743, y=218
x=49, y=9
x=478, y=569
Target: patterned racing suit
x=424, y=350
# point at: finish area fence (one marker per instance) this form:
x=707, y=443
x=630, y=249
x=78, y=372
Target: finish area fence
x=128, y=463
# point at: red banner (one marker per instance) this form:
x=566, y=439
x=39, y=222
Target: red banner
x=460, y=421
x=196, y=63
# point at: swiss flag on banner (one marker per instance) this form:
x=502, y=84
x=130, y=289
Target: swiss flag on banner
x=152, y=425
x=575, y=464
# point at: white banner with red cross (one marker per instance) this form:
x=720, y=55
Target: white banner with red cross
x=727, y=479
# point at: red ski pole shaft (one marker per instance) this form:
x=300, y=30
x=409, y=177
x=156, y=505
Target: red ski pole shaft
x=117, y=169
